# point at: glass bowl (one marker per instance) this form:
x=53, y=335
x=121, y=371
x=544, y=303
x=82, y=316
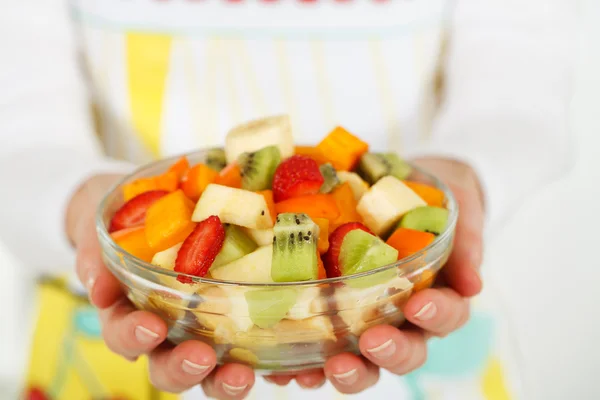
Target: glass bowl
x=327, y=316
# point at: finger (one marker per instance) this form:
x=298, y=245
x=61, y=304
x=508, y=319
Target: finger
x=229, y=382
x=103, y=288
x=311, y=379
x=350, y=374
x=177, y=369
x=130, y=332
x=462, y=270
x=280, y=380
x=397, y=351
x=439, y=311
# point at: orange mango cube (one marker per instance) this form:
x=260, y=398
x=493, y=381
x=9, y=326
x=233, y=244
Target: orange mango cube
x=169, y=221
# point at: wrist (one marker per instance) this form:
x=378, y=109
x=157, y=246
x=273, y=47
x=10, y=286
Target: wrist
x=83, y=203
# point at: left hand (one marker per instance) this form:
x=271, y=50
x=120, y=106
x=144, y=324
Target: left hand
x=435, y=311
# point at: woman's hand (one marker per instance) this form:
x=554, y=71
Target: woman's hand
x=132, y=333
x=434, y=312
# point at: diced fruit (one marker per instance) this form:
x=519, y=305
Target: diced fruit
x=215, y=159
x=409, y=241
x=168, y=221
x=425, y=280
x=323, y=244
x=234, y=206
x=166, y=258
x=330, y=176
x=321, y=273
x=261, y=237
x=374, y=166
x=267, y=307
x=244, y=356
x=346, y=204
x=312, y=152
x=342, y=149
x=296, y=176
x=254, y=267
x=235, y=246
x=133, y=241
x=362, y=252
x=358, y=185
x=316, y=206
x=133, y=213
x=196, y=179
x=426, y=219
x=180, y=167
x=309, y=303
x=254, y=135
x=137, y=187
x=168, y=181
x=431, y=195
x=258, y=168
x=294, y=248
x=331, y=258
x=385, y=203
x=200, y=249
x=230, y=176
x=268, y=195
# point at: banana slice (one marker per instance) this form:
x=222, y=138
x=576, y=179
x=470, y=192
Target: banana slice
x=233, y=206
x=254, y=135
x=385, y=203
x=309, y=303
x=357, y=184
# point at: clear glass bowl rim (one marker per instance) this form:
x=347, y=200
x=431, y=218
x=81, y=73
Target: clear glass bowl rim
x=128, y=258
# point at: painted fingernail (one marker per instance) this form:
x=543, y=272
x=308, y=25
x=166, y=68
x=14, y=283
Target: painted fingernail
x=233, y=390
x=383, y=351
x=192, y=368
x=347, y=378
x=144, y=335
x=427, y=312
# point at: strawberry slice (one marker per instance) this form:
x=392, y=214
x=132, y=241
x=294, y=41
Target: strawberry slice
x=200, y=249
x=296, y=176
x=133, y=213
x=331, y=257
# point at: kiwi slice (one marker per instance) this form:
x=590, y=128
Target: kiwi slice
x=374, y=166
x=331, y=179
x=361, y=252
x=259, y=167
x=294, y=248
x=215, y=159
x=427, y=219
x=236, y=245
x=267, y=307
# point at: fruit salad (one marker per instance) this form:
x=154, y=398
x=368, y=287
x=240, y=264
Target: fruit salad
x=272, y=222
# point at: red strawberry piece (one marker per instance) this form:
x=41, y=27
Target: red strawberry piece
x=331, y=257
x=200, y=249
x=133, y=213
x=296, y=176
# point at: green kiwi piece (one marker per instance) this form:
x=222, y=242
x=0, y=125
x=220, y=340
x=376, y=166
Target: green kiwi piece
x=374, y=166
x=267, y=307
x=236, y=245
x=426, y=219
x=361, y=252
x=259, y=167
x=215, y=159
x=331, y=179
x=294, y=248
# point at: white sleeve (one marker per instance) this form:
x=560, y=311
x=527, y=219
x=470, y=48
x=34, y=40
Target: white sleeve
x=508, y=86
x=47, y=145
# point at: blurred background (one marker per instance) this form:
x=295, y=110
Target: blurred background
x=544, y=262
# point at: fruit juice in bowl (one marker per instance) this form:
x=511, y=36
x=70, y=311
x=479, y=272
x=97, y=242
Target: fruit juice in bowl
x=277, y=256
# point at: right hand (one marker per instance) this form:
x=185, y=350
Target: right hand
x=132, y=333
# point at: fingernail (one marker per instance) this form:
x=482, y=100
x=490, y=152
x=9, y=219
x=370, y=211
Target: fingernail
x=192, y=368
x=427, y=312
x=383, y=351
x=347, y=378
x=89, y=286
x=145, y=335
x=233, y=390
